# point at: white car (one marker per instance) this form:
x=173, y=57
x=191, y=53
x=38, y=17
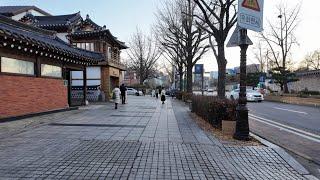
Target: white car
x=210, y=90
x=131, y=91
x=252, y=95
x=139, y=93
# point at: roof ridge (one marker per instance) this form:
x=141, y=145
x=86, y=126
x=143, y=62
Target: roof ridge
x=22, y=8
x=53, y=16
x=8, y=21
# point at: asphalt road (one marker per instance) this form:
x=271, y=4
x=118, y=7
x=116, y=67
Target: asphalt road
x=294, y=127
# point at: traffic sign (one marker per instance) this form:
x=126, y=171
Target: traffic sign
x=250, y=14
x=198, y=69
x=235, y=39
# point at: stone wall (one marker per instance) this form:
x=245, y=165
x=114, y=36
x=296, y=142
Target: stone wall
x=311, y=82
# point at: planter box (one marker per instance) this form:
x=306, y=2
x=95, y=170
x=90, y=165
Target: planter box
x=228, y=127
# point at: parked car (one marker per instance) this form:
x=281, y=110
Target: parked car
x=172, y=92
x=252, y=95
x=131, y=91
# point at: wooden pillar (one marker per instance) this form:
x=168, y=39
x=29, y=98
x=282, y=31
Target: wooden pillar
x=37, y=68
x=84, y=85
x=69, y=79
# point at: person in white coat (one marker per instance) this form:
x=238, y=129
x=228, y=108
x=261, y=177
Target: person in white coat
x=116, y=97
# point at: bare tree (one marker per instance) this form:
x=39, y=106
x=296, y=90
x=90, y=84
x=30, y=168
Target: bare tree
x=217, y=18
x=143, y=55
x=170, y=41
x=312, y=61
x=280, y=41
x=261, y=55
x=177, y=62
x=181, y=36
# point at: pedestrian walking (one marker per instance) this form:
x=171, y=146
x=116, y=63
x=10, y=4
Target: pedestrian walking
x=163, y=96
x=153, y=93
x=116, y=97
x=157, y=93
x=123, y=90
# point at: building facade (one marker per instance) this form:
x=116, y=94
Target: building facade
x=35, y=69
x=84, y=34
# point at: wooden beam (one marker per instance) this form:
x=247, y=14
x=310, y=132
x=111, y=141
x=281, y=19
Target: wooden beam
x=37, y=67
x=84, y=85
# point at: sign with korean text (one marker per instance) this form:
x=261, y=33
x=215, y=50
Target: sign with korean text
x=250, y=14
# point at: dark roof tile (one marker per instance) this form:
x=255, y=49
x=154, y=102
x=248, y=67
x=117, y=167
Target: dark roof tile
x=14, y=10
x=43, y=38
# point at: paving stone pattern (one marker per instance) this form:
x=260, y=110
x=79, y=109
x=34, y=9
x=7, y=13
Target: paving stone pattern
x=146, y=140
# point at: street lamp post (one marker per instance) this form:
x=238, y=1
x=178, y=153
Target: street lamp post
x=242, y=124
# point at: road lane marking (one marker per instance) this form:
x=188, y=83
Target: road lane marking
x=286, y=126
x=300, y=112
x=290, y=129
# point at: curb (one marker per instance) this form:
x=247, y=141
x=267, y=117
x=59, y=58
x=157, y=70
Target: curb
x=299, y=104
x=287, y=157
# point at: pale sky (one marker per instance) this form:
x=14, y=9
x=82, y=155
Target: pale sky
x=123, y=16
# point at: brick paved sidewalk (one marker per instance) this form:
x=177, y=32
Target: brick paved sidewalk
x=141, y=140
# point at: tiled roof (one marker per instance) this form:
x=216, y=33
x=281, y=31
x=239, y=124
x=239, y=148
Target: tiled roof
x=52, y=22
x=14, y=10
x=88, y=21
x=308, y=73
x=102, y=32
x=44, y=39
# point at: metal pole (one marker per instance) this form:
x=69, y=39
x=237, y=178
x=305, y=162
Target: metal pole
x=242, y=124
x=202, y=83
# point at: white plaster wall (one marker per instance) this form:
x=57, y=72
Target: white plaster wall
x=63, y=36
x=33, y=12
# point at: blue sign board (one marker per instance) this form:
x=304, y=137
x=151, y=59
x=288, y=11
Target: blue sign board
x=198, y=69
x=262, y=79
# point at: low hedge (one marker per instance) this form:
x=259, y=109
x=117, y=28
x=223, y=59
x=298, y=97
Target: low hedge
x=179, y=95
x=182, y=95
x=213, y=109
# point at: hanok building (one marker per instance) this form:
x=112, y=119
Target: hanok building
x=85, y=34
x=17, y=12
x=36, y=69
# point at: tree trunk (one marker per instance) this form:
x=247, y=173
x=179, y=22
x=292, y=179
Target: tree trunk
x=285, y=87
x=189, y=78
x=281, y=87
x=181, y=79
x=222, y=64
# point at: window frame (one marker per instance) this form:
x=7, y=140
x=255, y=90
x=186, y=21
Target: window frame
x=27, y=59
x=49, y=64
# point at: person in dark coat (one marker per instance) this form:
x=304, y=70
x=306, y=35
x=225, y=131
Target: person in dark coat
x=163, y=95
x=123, y=90
x=157, y=93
